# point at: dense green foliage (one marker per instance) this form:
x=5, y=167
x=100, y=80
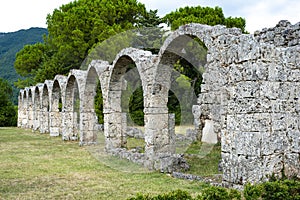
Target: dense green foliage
x=8, y=113
x=74, y=29
x=202, y=15
x=274, y=190
x=136, y=107
x=209, y=193
x=277, y=190
x=99, y=104
x=10, y=44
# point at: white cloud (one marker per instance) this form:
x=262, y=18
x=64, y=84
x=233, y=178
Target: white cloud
x=258, y=14
x=268, y=13
x=20, y=14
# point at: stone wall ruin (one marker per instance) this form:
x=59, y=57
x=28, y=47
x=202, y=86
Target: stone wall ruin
x=249, y=97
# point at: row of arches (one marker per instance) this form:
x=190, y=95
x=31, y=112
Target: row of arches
x=237, y=73
x=65, y=106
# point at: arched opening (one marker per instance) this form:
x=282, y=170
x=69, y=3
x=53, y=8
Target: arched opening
x=186, y=58
x=30, y=109
x=195, y=136
x=45, y=110
x=124, y=81
x=71, y=110
x=92, y=109
x=132, y=103
x=24, y=110
x=37, y=108
x=20, y=108
x=55, y=113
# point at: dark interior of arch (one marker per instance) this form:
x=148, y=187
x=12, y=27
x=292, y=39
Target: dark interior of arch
x=132, y=101
x=187, y=56
x=56, y=97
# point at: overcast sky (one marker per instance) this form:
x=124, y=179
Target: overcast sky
x=23, y=14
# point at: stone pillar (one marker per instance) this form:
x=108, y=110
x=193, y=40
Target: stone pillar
x=58, y=97
x=20, y=108
x=55, y=123
x=37, y=107
x=159, y=128
x=98, y=71
x=24, y=109
x=88, y=121
x=115, y=130
x=55, y=115
x=46, y=106
x=30, y=110
x=73, y=98
x=68, y=125
x=45, y=119
x=36, y=123
x=115, y=122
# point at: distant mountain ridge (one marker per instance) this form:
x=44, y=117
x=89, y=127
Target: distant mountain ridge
x=10, y=44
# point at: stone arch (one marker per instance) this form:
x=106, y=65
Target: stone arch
x=45, y=106
x=97, y=71
x=37, y=106
x=115, y=122
x=21, y=114
x=25, y=108
x=30, y=107
x=57, y=103
x=73, y=99
x=212, y=81
x=163, y=141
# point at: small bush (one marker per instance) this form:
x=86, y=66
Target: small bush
x=252, y=192
x=281, y=189
x=274, y=190
x=178, y=195
x=219, y=193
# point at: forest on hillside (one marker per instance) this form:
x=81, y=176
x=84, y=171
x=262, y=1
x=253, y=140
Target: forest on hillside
x=10, y=44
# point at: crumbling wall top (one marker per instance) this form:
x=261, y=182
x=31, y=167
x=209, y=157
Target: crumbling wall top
x=284, y=34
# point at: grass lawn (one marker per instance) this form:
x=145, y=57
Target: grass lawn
x=36, y=166
x=203, y=158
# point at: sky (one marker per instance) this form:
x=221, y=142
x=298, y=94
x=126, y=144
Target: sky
x=259, y=14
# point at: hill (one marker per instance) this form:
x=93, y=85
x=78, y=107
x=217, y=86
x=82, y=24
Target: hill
x=10, y=44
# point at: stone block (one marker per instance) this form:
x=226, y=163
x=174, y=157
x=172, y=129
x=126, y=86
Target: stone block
x=293, y=138
x=272, y=165
x=273, y=142
x=292, y=165
x=259, y=122
x=269, y=90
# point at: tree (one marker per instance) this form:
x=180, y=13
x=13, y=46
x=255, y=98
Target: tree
x=150, y=33
x=202, y=15
x=74, y=29
x=8, y=116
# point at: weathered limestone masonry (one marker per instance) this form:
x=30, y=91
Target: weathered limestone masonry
x=249, y=97
x=71, y=110
x=58, y=97
x=260, y=134
x=98, y=70
x=37, y=106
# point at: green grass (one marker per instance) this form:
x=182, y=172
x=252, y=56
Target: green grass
x=203, y=158
x=36, y=166
x=133, y=143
